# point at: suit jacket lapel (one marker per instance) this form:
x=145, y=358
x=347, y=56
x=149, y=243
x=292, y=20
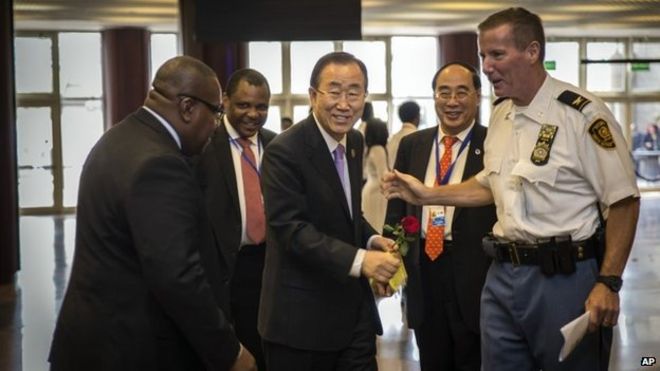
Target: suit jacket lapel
x=474, y=161
x=318, y=153
x=354, y=170
x=226, y=161
x=420, y=159
x=151, y=121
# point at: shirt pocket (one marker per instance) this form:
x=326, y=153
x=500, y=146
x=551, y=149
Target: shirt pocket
x=536, y=187
x=536, y=174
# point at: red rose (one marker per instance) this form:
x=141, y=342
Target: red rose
x=410, y=224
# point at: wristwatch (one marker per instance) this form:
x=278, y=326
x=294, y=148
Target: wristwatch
x=613, y=283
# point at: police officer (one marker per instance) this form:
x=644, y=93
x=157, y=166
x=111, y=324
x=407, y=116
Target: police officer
x=554, y=155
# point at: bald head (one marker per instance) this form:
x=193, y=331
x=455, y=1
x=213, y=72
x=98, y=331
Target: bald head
x=182, y=74
x=186, y=92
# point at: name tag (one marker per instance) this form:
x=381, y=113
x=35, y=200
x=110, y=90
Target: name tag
x=437, y=215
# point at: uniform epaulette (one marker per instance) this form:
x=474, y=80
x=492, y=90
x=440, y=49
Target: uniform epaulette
x=499, y=100
x=573, y=99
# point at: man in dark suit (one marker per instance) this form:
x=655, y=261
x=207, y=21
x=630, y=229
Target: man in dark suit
x=444, y=285
x=148, y=291
x=317, y=310
x=229, y=175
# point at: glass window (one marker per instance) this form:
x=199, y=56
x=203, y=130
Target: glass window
x=644, y=115
x=646, y=77
x=618, y=110
x=428, y=118
x=34, y=152
x=273, y=123
x=646, y=143
x=484, y=111
x=303, y=58
x=605, y=77
x=34, y=65
x=266, y=57
x=380, y=109
x=80, y=65
x=82, y=126
x=562, y=61
x=300, y=113
x=414, y=62
x=372, y=53
x=163, y=47
x=486, y=94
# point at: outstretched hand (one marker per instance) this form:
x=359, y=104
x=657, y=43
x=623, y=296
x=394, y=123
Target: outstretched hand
x=395, y=184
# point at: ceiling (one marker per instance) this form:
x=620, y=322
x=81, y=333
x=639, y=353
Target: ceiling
x=379, y=17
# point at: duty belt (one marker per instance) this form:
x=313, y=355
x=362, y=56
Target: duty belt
x=537, y=253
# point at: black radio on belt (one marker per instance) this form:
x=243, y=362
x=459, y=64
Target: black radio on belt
x=556, y=256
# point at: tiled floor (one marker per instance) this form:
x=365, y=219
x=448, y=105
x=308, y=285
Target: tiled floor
x=28, y=309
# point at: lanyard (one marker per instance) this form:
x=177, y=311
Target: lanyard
x=244, y=157
x=445, y=179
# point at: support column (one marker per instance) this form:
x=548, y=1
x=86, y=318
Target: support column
x=459, y=47
x=223, y=57
x=9, y=261
x=125, y=71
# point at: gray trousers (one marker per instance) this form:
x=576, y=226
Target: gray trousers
x=521, y=314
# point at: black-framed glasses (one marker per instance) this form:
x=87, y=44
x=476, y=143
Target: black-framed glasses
x=215, y=108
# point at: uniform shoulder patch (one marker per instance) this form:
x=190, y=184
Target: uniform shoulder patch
x=573, y=99
x=499, y=100
x=600, y=133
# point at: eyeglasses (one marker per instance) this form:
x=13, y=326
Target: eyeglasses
x=447, y=95
x=351, y=95
x=215, y=108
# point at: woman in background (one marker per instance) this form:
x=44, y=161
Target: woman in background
x=374, y=203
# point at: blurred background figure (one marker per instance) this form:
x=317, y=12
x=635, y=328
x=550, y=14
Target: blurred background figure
x=409, y=116
x=367, y=113
x=374, y=203
x=285, y=123
x=649, y=163
x=637, y=137
x=651, y=139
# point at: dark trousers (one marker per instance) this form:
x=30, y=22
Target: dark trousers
x=359, y=355
x=444, y=340
x=245, y=293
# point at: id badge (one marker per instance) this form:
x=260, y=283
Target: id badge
x=437, y=215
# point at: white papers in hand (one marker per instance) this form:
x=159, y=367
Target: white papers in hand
x=573, y=332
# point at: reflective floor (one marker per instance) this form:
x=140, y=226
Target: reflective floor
x=29, y=308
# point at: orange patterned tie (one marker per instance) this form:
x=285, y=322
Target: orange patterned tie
x=254, y=207
x=435, y=234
